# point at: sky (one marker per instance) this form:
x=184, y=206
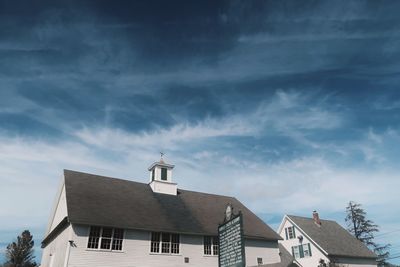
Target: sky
x=290, y=106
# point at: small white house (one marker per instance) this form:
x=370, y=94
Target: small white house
x=103, y=222
x=311, y=240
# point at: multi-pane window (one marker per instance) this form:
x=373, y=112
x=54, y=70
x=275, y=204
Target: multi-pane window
x=259, y=261
x=210, y=245
x=175, y=244
x=117, y=239
x=164, y=174
x=296, y=252
x=302, y=251
x=155, y=242
x=290, y=232
x=307, y=250
x=105, y=238
x=94, y=237
x=164, y=243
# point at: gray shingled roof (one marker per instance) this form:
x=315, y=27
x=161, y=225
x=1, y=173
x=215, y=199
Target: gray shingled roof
x=105, y=201
x=333, y=238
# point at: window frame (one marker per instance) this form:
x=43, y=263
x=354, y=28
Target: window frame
x=164, y=174
x=300, y=249
x=214, y=242
x=100, y=238
x=290, y=232
x=294, y=248
x=307, y=247
x=172, y=246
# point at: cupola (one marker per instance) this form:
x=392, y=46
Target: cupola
x=161, y=178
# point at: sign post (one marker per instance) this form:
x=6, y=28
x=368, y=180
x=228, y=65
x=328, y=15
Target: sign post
x=231, y=240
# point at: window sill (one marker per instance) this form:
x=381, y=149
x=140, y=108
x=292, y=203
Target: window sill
x=164, y=254
x=105, y=250
x=211, y=256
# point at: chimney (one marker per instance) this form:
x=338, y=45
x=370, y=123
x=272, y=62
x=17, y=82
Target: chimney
x=315, y=216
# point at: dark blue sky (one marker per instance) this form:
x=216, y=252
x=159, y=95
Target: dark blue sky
x=297, y=102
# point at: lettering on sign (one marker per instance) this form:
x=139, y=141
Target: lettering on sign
x=231, y=243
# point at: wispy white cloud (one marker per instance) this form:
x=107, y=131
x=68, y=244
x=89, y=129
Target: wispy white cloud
x=283, y=186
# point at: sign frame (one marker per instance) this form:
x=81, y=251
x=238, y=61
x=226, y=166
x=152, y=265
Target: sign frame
x=242, y=250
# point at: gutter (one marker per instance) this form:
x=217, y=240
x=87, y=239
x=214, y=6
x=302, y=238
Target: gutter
x=56, y=231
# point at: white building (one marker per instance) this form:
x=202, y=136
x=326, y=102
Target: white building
x=312, y=239
x=100, y=221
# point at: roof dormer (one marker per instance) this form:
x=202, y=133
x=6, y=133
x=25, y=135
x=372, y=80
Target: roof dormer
x=161, y=178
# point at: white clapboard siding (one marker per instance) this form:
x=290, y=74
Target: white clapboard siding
x=54, y=254
x=59, y=211
x=268, y=251
x=136, y=252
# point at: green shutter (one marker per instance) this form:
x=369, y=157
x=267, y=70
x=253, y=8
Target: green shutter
x=309, y=249
x=293, y=252
x=301, y=251
x=286, y=234
x=294, y=232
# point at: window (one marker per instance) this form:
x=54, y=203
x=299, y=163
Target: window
x=164, y=243
x=153, y=174
x=175, y=244
x=117, y=239
x=259, y=261
x=105, y=238
x=210, y=245
x=94, y=237
x=290, y=232
x=155, y=242
x=164, y=174
x=296, y=252
x=307, y=250
x=302, y=251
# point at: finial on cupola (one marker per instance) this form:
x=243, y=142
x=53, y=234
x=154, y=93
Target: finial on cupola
x=161, y=158
x=161, y=177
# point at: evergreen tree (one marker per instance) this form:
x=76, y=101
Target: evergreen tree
x=20, y=253
x=364, y=230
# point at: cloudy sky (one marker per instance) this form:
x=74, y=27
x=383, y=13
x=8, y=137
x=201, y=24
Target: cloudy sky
x=289, y=106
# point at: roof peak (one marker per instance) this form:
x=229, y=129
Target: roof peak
x=308, y=218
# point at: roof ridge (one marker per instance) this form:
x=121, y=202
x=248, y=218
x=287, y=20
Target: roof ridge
x=203, y=193
x=103, y=176
x=125, y=180
x=309, y=218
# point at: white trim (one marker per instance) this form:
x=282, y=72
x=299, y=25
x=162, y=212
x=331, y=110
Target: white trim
x=55, y=205
x=100, y=238
x=282, y=224
x=163, y=182
x=160, y=244
x=212, y=246
x=168, y=166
